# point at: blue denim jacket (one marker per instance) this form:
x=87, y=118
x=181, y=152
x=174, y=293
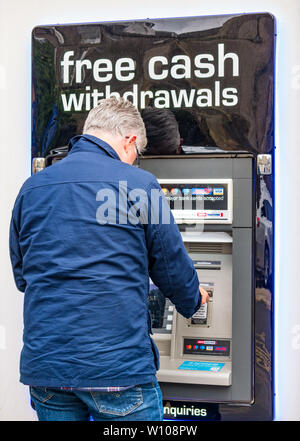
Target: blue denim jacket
x=86, y=282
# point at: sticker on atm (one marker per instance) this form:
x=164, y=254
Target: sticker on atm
x=201, y=191
x=201, y=366
x=218, y=191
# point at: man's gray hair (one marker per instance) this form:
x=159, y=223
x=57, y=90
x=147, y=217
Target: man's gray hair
x=118, y=116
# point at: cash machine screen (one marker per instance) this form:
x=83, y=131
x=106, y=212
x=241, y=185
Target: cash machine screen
x=199, y=200
x=213, y=197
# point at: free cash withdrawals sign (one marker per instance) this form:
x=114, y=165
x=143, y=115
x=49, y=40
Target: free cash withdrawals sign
x=214, y=73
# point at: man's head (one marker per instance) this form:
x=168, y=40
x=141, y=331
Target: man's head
x=119, y=123
x=162, y=132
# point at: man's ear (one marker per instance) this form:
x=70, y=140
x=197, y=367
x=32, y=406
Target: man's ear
x=128, y=141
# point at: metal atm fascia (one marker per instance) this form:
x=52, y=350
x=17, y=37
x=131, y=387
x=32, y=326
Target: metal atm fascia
x=235, y=387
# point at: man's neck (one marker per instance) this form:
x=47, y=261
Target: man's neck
x=109, y=138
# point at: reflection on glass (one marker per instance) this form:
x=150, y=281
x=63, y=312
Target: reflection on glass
x=161, y=310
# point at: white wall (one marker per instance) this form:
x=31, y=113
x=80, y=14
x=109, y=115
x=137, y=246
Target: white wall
x=17, y=18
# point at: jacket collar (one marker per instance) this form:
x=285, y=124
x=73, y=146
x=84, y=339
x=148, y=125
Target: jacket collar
x=88, y=143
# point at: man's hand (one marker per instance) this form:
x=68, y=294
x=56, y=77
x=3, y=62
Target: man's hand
x=204, y=294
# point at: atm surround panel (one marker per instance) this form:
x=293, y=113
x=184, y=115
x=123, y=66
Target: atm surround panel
x=240, y=170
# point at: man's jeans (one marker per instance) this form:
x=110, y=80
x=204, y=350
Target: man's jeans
x=139, y=403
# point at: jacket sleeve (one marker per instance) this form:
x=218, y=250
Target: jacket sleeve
x=170, y=267
x=15, y=252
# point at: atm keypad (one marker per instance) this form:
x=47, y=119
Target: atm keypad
x=202, y=317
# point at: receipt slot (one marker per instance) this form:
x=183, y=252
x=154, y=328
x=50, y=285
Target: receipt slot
x=209, y=357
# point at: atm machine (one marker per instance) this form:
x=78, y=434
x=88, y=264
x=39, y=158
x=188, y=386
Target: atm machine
x=209, y=357
x=216, y=74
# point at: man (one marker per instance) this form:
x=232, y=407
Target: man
x=82, y=251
